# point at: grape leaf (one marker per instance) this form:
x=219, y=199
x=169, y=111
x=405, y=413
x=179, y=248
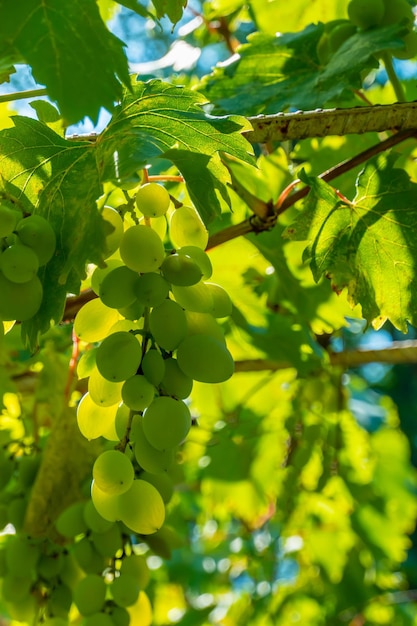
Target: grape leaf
x=58, y=179
x=368, y=246
x=172, y=8
x=70, y=51
x=271, y=74
x=163, y=120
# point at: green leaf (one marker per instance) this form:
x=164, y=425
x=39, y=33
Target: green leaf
x=163, y=120
x=172, y=8
x=57, y=179
x=369, y=246
x=70, y=51
x=271, y=74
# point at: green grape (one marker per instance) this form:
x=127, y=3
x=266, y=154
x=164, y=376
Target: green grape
x=340, y=34
x=151, y=289
x=134, y=311
x=117, y=289
x=19, y=263
x=28, y=469
x=60, y=600
x=49, y=566
x=118, y=356
x=168, y=324
x=107, y=505
x=126, y=326
x=186, y=227
x=200, y=257
x=175, y=382
x=120, y=616
x=205, y=359
x=96, y=421
x=19, y=301
x=122, y=420
x=113, y=230
x=141, y=508
x=15, y=588
x=94, y=520
x=142, y=249
x=204, y=324
x=180, y=269
x=166, y=422
x=152, y=200
x=113, y=472
x=37, y=233
x=162, y=481
x=197, y=298
x=137, y=392
x=153, y=367
x=87, y=557
x=94, y=320
x=125, y=590
x=22, y=555
x=158, y=224
x=222, y=304
x=98, y=619
x=323, y=51
x=397, y=11
x=89, y=594
x=55, y=621
x=99, y=273
x=9, y=218
x=102, y=391
x=366, y=13
x=109, y=542
x=135, y=565
x=148, y=457
x=410, y=50
x=71, y=521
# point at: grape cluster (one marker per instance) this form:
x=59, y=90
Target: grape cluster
x=154, y=331
x=26, y=244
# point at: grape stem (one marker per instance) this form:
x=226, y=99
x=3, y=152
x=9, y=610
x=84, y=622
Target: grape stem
x=393, y=78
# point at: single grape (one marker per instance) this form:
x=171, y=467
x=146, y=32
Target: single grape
x=87, y=557
x=141, y=508
x=118, y=356
x=94, y=520
x=119, y=615
x=113, y=472
x=102, y=391
x=134, y=311
x=168, y=324
x=96, y=421
x=162, y=481
x=19, y=263
x=153, y=367
x=99, y=273
x=200, y=257
x=37, y=233
x=89, y=594
x=59, y=601
x=197, y=298
x=122, y=420
x=166, y=422
x=152, y=200
x=137, y=392
x=142, y=249
x=205, y=359
x=113, y=230
x=9, y=218
x=71, y=522
x=15, y=588
x=186, y=227
x=148, y=457
x=125, y=590
x=151, y=289
x=107, y=505
x=22, y=555
x=94, y=320
x=366, y=13
x=397, y=11
x=109, y=542
x=204, y=324
x=175, y=382
x=135, y=565
x=98, y=619
x=19, y=301
x=117, y=289
x=222, y=304
x=181, y=269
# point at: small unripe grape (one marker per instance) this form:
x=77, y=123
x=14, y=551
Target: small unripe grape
x=141, y=508
x=9, y=218
x=180, y=269
x=205, y=359
x=166, y=422
x=200, y=257
x=142, y=249
x=89, y=594
x=135, y=565
x=137, y=392
x=118, y=356
x=19, y=263
x=125, y=590
x=152, y=200
x=113, y=472
x=397, y=11
x=119, y=616
x=19, y=301
x=153, y=366
x=113, y=230
x=168, y=324
x=37, y=233
x=186, y=227
x=151, y=289
x=117, y=288
x=366, y=13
